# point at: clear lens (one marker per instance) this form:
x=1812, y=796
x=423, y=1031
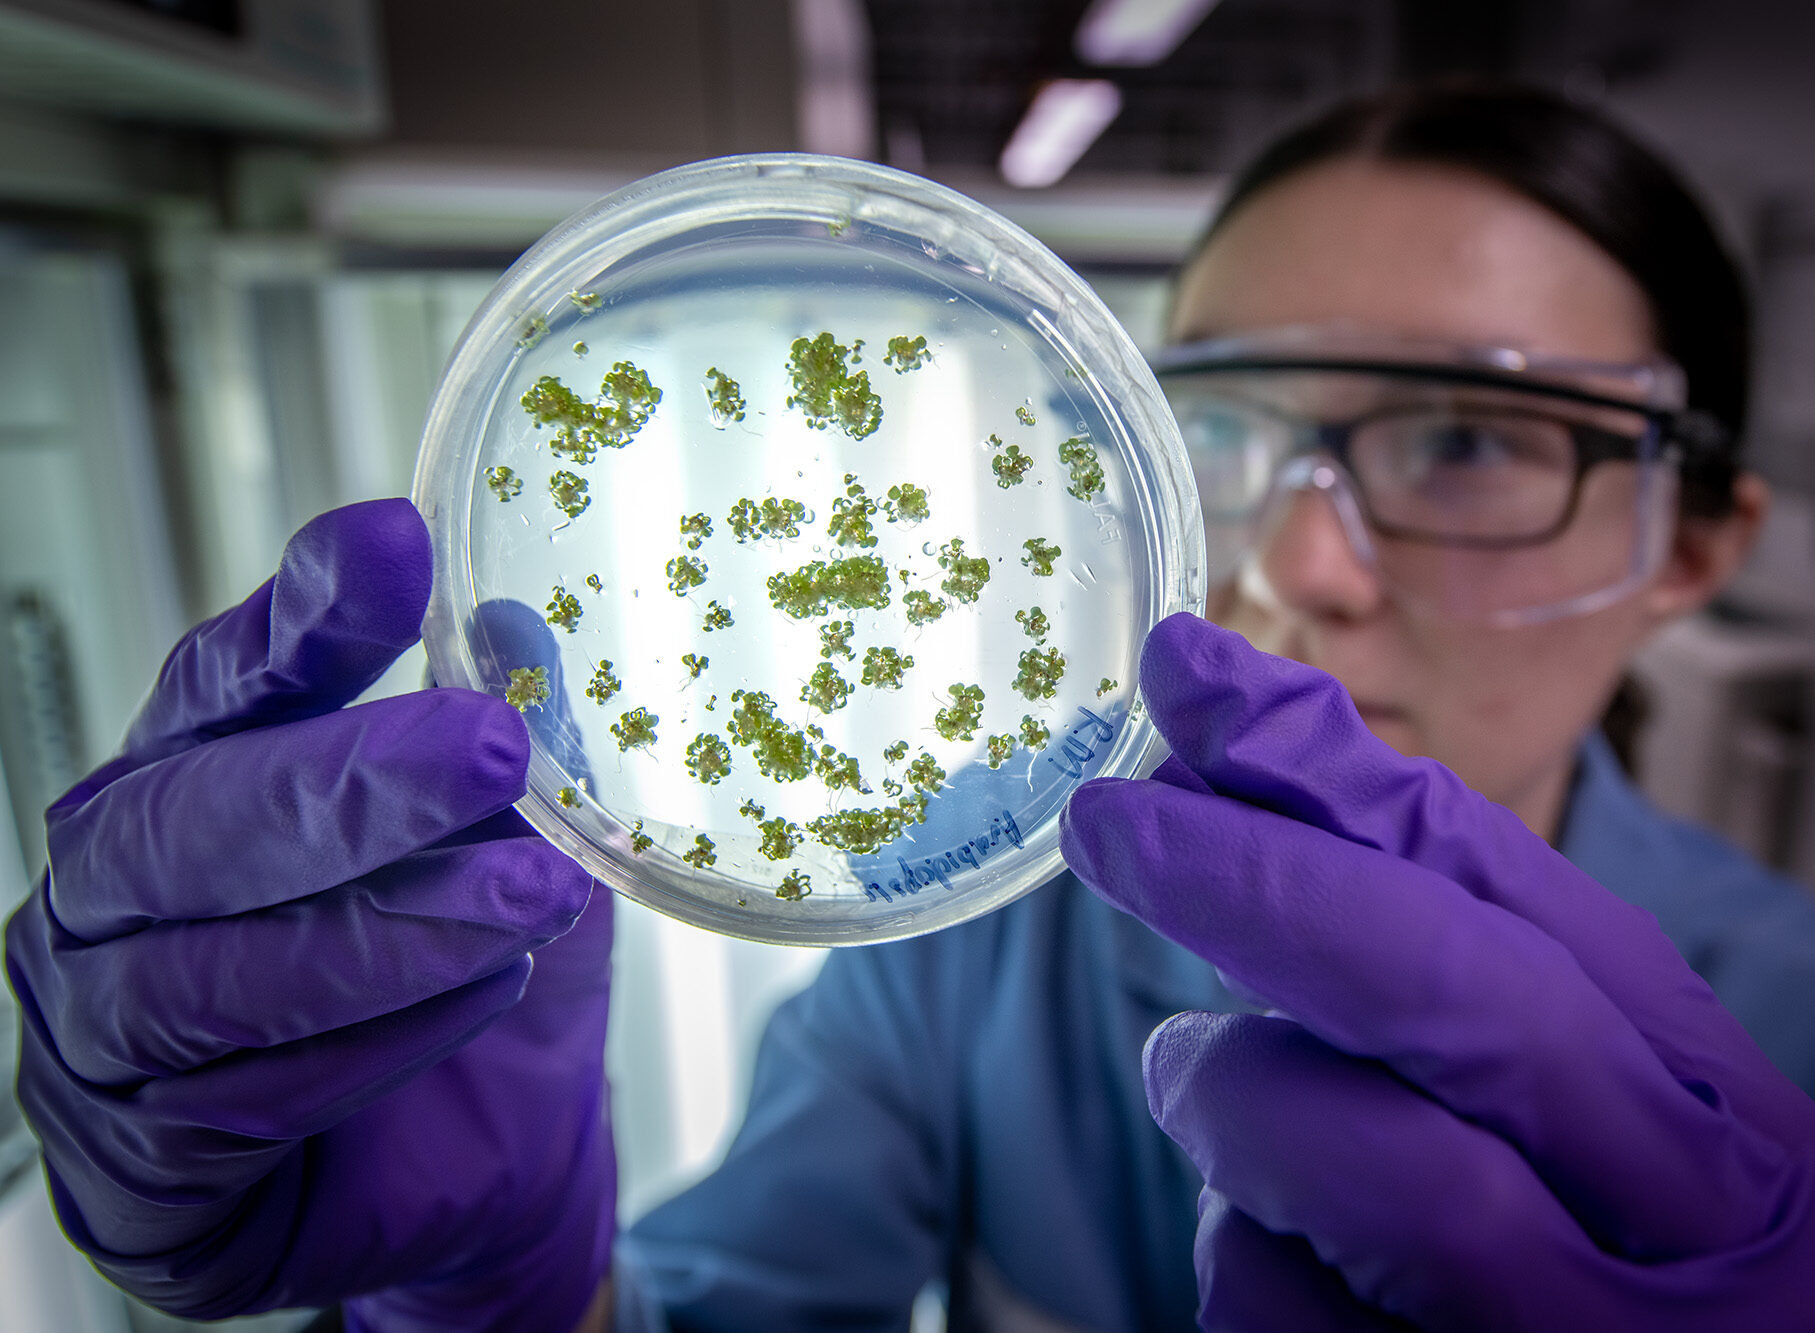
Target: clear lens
x=1468, y=472
x=1602, y=548
x=1235, y=449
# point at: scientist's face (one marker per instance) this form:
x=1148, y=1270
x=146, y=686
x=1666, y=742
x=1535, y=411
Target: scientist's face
x=1435, y=253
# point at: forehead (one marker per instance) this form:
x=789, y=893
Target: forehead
x=1431, y=252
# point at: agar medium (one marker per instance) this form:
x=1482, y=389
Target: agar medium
x=814, y=517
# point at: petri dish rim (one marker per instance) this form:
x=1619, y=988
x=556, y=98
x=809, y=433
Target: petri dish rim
x=910, y=214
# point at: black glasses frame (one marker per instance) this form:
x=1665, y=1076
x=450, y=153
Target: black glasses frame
x=1687, y=438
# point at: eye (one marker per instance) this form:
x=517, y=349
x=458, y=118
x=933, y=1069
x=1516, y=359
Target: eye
x=1466, y=444
x=1474, y=445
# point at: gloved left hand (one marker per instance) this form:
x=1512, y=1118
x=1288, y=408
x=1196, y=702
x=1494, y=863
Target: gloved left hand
x=1501, y=1100
x=297, y=1028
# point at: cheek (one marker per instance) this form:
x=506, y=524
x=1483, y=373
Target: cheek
x=1504, y=708
x=1501, y=708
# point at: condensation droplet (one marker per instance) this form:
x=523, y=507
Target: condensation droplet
x=926, y=548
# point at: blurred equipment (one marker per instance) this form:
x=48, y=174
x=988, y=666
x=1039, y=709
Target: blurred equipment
x=88, y=589
x=1727, y=740
x=289, y=66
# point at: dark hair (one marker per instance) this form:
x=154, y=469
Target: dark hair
x=1587, y=170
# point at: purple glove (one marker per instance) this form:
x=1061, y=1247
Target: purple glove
x=283, y=1042
x=1502, y=1100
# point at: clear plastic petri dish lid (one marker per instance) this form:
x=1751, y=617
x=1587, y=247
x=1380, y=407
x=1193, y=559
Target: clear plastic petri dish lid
x=814, y=516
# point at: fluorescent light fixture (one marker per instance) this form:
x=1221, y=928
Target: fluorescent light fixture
x=834, y=108
x=1136, y=32
x=1065, y=118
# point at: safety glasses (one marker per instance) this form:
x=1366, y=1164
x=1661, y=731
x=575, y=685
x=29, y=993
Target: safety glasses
x=1479, y=483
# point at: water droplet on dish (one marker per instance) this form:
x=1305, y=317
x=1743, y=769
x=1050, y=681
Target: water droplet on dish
x=926, y=548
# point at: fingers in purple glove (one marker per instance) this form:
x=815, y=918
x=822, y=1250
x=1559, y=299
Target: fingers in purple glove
x=176, y=996
x=347, y=598
x=283, y=812
x=1250, y=1278
x=1286, y=737
x=1426, y=1216
x=316, y=934
x=157, y=1136
x=1387, y=960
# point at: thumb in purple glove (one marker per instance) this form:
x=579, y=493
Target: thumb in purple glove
x=1505, y=1101
x=282, y=1041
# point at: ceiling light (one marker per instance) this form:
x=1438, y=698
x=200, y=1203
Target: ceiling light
x=1136, y=32
x=835, y=109
x=1064, y=119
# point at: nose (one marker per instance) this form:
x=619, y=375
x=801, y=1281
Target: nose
x=1305, y=559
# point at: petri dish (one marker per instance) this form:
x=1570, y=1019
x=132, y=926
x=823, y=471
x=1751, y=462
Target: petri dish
x=815, y=516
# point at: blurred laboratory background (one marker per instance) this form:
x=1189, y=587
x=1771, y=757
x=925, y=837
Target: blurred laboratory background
x=238, y=238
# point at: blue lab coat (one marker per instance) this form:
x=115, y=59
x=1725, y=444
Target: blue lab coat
x=966, y=1108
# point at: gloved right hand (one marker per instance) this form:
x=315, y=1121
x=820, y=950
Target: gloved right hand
x=283, y=1041
x=1502, y=1100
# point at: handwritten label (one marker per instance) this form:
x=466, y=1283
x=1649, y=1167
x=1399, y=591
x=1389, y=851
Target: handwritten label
x=941, y=866
x=1075, y=752
x=1080, y=744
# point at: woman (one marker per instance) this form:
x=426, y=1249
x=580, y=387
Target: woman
x=1388, y=243
x=1383, y=219
x=968, y=1108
